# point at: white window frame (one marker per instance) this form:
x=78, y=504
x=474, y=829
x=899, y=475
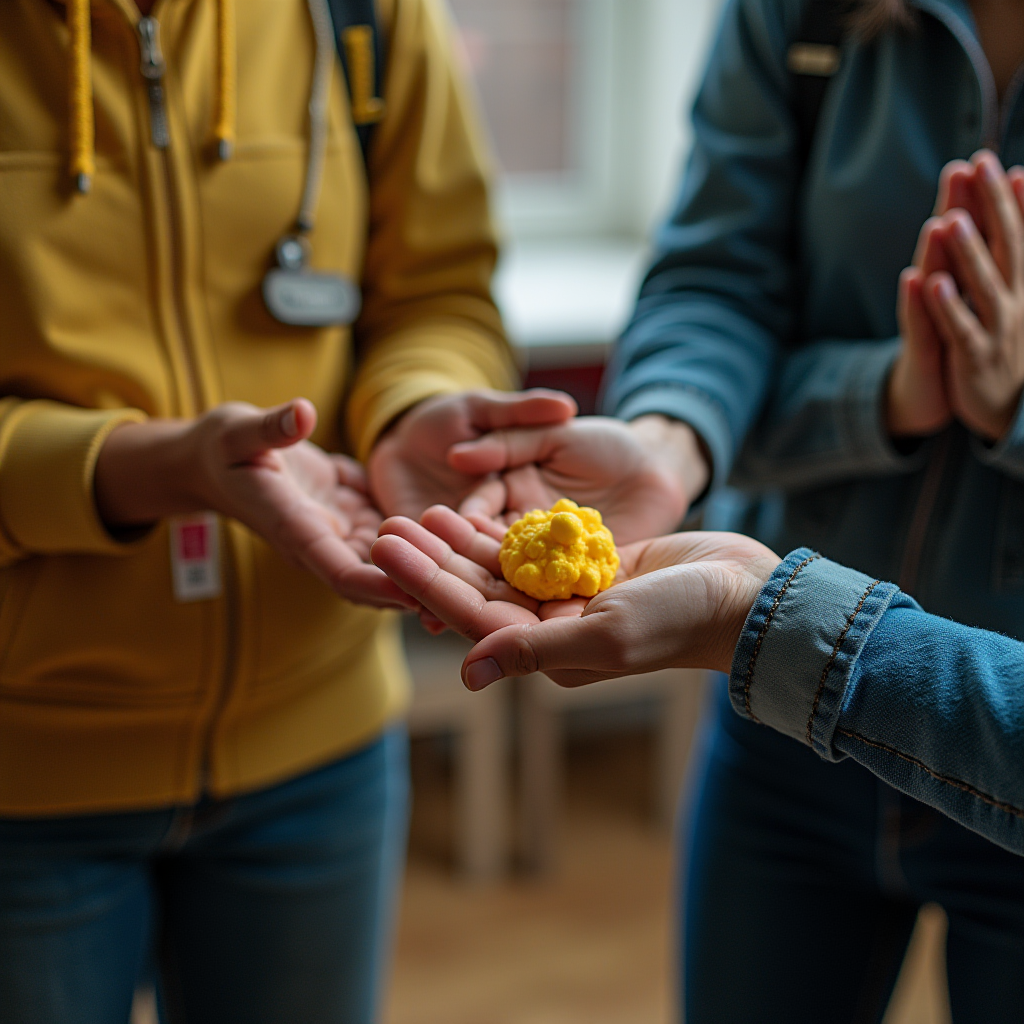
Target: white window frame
x=638, y=62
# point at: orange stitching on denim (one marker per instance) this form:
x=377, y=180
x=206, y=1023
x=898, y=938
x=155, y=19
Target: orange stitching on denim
x=938, y=776
x=764, y=630
x=832, y=657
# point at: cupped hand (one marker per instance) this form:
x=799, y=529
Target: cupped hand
x=641, y=476
x=409, y=468
x=256, y=466
x=681, y=601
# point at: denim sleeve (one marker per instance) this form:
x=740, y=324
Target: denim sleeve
x=854, y=668
x=826, y=420
x=701, y=346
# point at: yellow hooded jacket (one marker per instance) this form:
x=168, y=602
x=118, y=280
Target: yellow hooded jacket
x=142, y=298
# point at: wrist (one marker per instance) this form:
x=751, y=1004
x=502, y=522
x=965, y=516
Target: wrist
x=680, y=447
x=148, y=471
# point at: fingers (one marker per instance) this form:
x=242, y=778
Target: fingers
x=1001, y=217
x=958, y=326
x=452, y=600
x=496, y=410
x=560, y=643
x=503, y=449
x=431, y=623
x=955, y=187
x=930, y=253
x=343, y=571
x=350, y=473
x=916, y=327
x=488, y=499
x=1015, y=175
x=250, y=433
x=488, y=526
x=977, y=272
x=491, y=585
x=463, y=537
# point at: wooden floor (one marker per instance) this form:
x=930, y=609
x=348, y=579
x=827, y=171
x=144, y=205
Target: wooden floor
x=589, y=945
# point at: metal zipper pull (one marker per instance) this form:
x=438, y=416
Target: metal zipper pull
x=153, y=68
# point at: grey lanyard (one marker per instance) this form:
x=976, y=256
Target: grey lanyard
x=293, y=293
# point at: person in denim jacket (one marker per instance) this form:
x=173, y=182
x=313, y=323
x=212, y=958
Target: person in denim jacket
x=766, y=349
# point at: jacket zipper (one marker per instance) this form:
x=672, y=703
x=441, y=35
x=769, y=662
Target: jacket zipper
x=154, y=68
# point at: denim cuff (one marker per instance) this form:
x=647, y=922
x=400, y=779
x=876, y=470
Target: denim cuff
x=799, y=646
x=692, y=406
x=1007, y=454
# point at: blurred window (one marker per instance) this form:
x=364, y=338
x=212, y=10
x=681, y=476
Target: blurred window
x=522, y=54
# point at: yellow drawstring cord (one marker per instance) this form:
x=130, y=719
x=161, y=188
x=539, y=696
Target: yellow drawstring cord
x=227, y=81
x=81, y=126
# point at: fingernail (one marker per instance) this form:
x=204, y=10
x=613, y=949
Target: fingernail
x=290, y=423
x=945, y=289
x=962, y=228
x=482, y=673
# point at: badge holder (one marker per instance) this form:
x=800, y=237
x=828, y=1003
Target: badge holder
x=292, y=293
x=301, y=297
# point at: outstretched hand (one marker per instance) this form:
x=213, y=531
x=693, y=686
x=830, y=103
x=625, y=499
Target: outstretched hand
x=409, y=469
x=680, y=601
x=641, y=476
x=256, y=466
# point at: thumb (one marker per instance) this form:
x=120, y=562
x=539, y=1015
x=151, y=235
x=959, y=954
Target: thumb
x=569, y=642
x=496, y=410
x=916, y=325
x=503, y=449
x=1016, y=176
x=255, y=431
x=954, y=186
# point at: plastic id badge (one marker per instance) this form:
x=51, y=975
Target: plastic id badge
x=195, y=557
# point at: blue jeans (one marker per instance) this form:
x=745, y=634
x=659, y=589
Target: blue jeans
x=803, y=883
x=270, y=908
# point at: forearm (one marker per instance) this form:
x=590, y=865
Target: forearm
x=826, y=420
x=853, y=667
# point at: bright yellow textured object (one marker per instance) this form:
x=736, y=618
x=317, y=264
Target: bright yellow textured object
x=567, y=552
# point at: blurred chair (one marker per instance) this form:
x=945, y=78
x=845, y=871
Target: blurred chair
x=480, y=723
x=680, y=695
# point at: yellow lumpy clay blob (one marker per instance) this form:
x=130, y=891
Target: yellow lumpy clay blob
x=567, y=552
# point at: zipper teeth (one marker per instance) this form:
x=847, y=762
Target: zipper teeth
x=153, y=69
x=177, y=289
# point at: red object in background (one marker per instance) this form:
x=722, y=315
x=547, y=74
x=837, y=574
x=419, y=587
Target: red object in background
x=582, y=382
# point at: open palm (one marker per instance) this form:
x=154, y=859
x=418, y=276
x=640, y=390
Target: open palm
x=679, y=600
x=409, y=468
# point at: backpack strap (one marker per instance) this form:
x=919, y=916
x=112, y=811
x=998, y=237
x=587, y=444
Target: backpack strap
x=361, y=49
x=812, y=60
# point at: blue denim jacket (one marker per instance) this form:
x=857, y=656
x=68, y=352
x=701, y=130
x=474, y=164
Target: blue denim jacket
x=768, y=320
x=854, y=667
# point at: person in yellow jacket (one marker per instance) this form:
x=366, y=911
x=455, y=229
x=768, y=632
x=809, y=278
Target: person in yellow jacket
x=199, y=759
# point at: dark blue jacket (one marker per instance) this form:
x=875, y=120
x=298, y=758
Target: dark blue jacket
x=768, y=320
